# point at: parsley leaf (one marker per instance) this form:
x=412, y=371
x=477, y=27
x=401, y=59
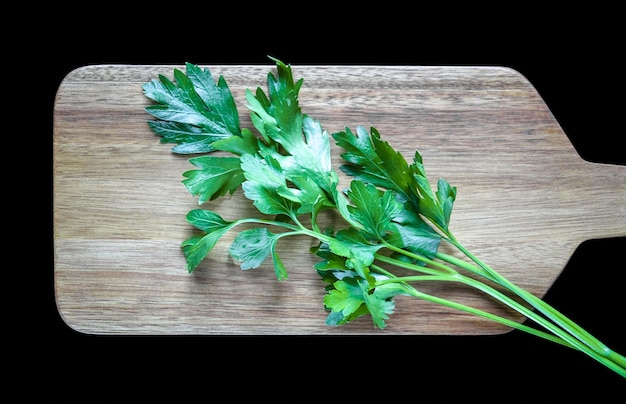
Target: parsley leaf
x=194, y=111
x=375, y=219
x=199, y=246
x=370, y=159
x=253, y=246
x=216, y=177
x=350, y=297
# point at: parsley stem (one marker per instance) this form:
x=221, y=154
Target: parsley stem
x=472, y=310
x=539, y=304
x=466, y=265
x=559, y=325
x=550, y=312
x=286, y=225
x=440, y=268
x=314, y=214
x=558, y=335
x=417, y=257
x=476, y=284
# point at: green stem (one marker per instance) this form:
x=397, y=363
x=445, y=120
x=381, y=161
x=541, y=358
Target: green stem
x=440, y=269
x=467, y=266
x=450, y=274
x=547, y=310
x=483, y=288
x=555, y=322
x=481, y=313
x=414, y=256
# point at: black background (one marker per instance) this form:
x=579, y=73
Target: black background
x=572, y=59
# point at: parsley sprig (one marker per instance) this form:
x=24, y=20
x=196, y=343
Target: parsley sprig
x=392, y=217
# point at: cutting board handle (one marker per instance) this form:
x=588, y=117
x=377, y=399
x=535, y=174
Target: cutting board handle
x=604, y=198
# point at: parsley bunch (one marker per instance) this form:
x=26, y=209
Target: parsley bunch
x=392, y=217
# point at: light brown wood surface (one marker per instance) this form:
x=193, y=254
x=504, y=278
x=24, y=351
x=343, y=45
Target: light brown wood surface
x=525, y=199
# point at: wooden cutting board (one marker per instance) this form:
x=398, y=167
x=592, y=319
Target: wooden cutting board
x=525, y=199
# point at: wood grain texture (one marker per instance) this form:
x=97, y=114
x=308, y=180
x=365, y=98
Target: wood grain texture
x=525, y=199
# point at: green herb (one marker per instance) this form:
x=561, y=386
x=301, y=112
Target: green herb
x=393, y=218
